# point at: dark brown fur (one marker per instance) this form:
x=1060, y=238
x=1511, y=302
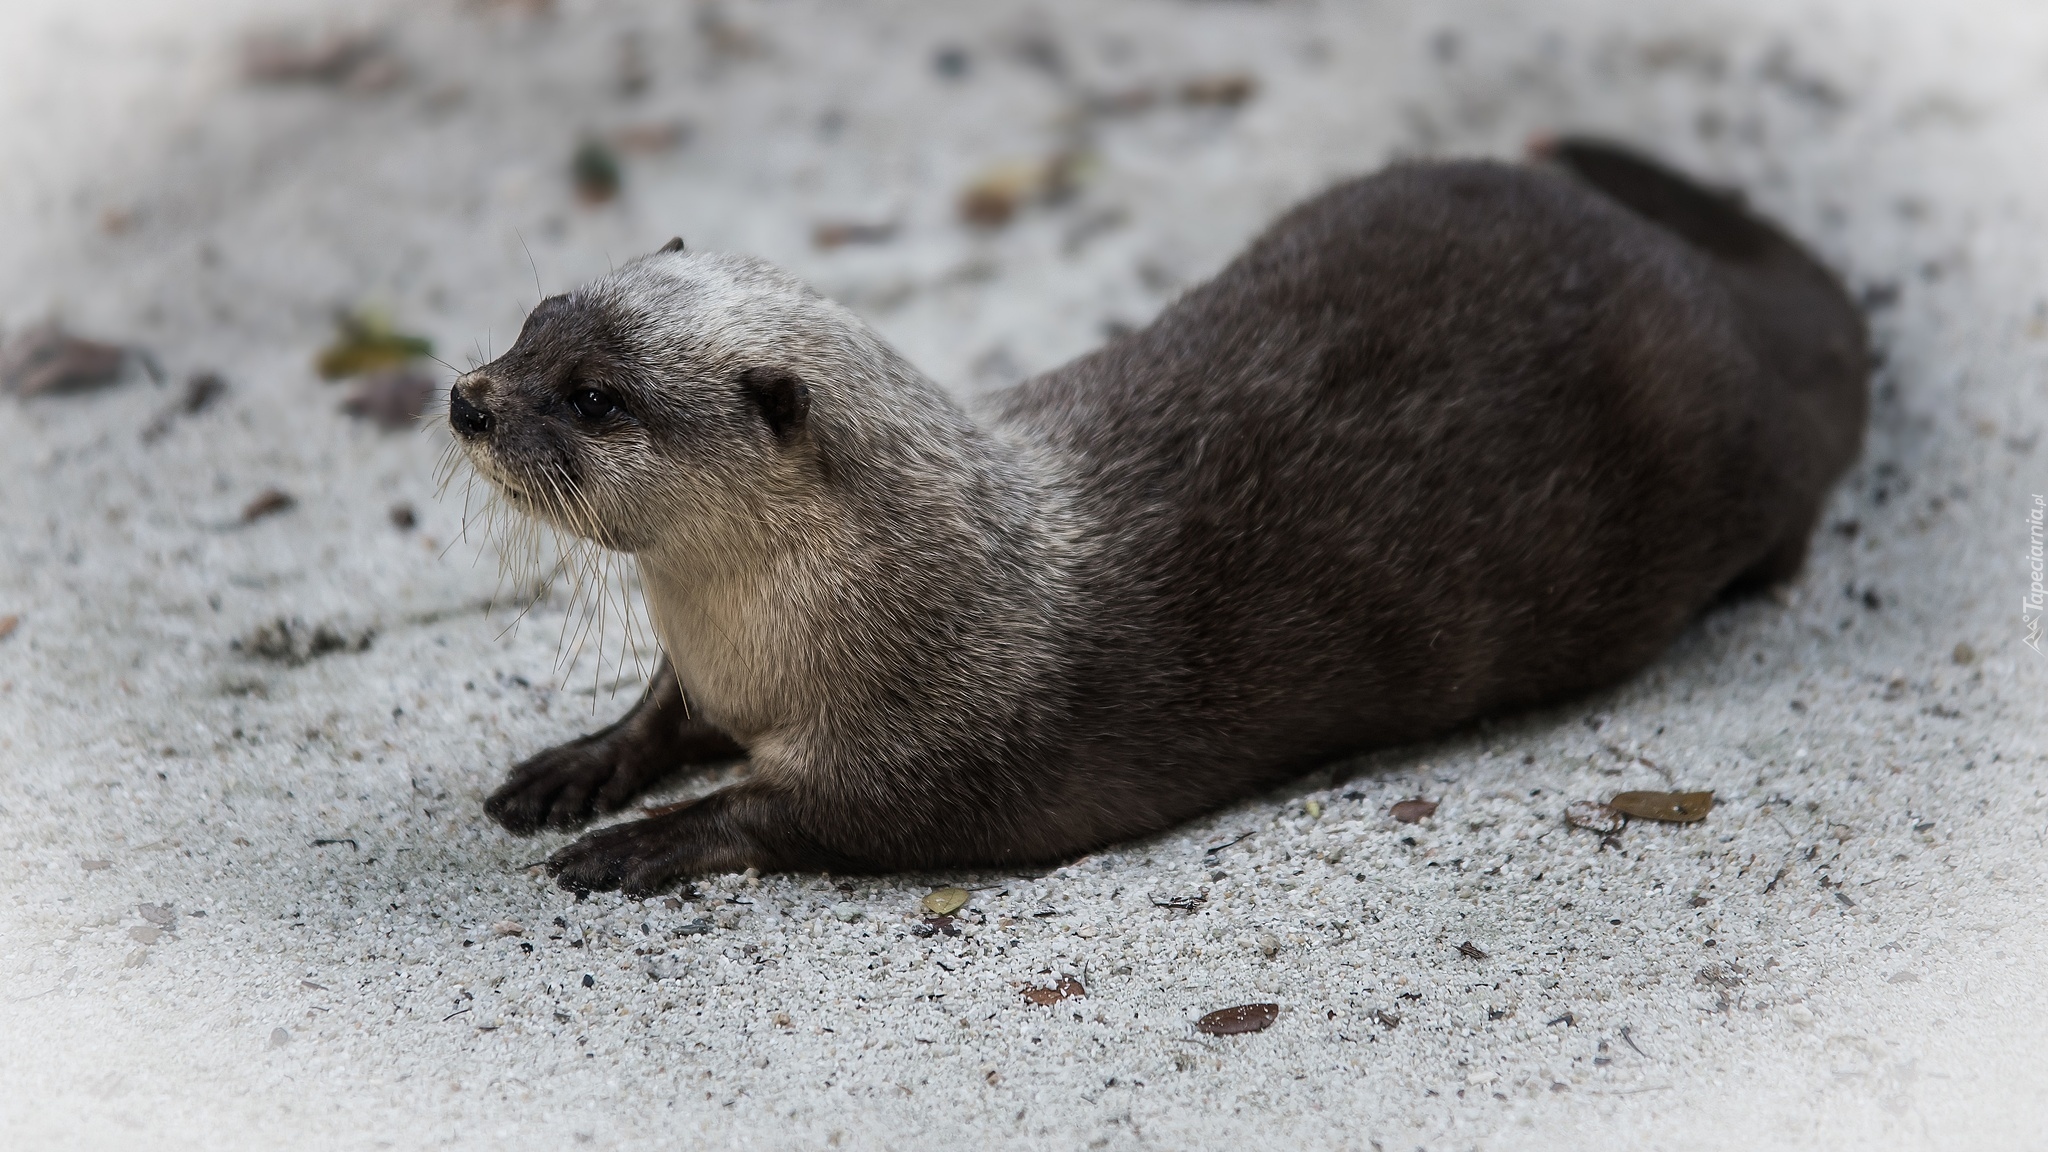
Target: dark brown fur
x=1444, y=442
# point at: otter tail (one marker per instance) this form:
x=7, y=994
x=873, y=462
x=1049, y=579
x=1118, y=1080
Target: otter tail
x=1809, y=334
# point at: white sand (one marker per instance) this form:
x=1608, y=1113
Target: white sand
x=1848, y=953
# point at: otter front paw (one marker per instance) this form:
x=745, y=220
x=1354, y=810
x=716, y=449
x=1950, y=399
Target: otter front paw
x=744, y=826
x=566, y=786
x=639, y=857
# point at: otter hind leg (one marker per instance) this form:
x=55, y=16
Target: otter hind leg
x=568, y=785
x=1784, y=561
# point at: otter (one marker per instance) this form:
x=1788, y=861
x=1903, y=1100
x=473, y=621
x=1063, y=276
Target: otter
x=1452, y=440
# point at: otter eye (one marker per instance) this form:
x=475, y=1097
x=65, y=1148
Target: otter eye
x=592, y=404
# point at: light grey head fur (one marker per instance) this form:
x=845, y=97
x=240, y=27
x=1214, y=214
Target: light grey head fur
x=811, y=515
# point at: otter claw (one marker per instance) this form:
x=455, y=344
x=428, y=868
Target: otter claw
x=564, y=788
x=639, y=857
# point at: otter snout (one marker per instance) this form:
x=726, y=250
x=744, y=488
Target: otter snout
x=468, y=420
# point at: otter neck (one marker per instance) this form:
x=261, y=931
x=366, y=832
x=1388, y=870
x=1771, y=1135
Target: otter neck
x=932, y=569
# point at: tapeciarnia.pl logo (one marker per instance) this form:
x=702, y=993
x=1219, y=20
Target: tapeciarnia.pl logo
x=2036, y=603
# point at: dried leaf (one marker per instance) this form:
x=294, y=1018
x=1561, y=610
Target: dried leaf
x=201, y=390
x=992, y=199
x=660, y=136
x=1670, y=807
x=1414, y=811
x=1128, y=102
x=1471, y=951
x=830, y=234
x=392, y=398
x=1594, y=817
x=1067, y=989
x=366, y=342
x=361, y=61
x=1227, y=90
x=931, y=926
x=46, y=359
x=595, y=171
x=726, y=38
x=944, y=901
x=269, y=502
x=1241, y=1019
x=8, y=624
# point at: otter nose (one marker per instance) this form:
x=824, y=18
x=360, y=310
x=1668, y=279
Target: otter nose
x=467, y=419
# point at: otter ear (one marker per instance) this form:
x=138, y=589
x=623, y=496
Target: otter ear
x=783, y=399
x=675, y=245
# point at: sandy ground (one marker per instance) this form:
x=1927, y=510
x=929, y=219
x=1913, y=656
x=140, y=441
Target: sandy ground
x=251, y=903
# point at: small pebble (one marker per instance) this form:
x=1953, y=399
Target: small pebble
x=279, y=1037
x=846, y=912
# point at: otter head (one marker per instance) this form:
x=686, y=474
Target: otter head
x=671, y=403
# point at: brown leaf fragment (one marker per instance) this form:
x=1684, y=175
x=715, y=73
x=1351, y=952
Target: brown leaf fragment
x=47, y=360
x=392, y=398
x=725, y=38
x=1471, y=951
x=1241, y=1019
x=360, y=61
x=1670, y=807
x=659, y=136
x=1385, y=1018
x=1414, y=811
x=1127, y=102
x=1067, y=989
x=8, y=624
x=201, y=390
x=1594, y=816
x=268, y=502
x=995, y=197
x=530, y=8
x=829, y=234
x=1225, y=90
